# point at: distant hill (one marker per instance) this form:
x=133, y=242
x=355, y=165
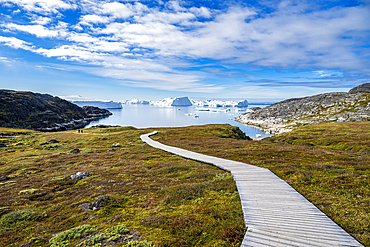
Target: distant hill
x=284, y=116
x=43, y=112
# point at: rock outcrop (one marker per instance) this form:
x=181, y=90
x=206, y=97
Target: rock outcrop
x=44, y=112
x=329, y=107
x=364, y=88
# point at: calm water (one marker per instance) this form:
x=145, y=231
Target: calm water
x=143, y=116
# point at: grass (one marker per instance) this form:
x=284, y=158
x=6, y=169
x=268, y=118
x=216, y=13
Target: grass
x=328, y=163
x=154, y=198
x=165, y=200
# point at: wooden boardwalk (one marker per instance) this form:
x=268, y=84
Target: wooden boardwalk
x=274, y=213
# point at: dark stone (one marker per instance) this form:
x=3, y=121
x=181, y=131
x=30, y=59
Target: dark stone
x=43, y=144
x=96, y=205
x=255, y=108
x=53, y=141
x=75, y=151
x=2, y=146
x=19, y=144
x=3, y=177
x=364, y=88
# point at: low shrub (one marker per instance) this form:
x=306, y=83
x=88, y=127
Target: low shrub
x=63, y=238
x=13, y=219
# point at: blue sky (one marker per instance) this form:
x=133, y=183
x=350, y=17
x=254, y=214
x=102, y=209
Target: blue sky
x=117, y=50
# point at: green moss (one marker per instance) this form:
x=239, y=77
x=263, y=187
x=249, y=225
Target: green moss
x=16, y=218
x=64, y=238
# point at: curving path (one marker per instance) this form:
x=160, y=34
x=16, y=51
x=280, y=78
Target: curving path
x=274, y=213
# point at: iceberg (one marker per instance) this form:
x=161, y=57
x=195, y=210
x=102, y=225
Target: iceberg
x=136, y=101
x=175, y=101
x=220, y=103
x=242, y=103
x=185, y=101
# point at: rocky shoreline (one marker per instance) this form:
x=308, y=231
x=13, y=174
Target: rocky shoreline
x=286, y=115
x=93, y=114
x=44, y=112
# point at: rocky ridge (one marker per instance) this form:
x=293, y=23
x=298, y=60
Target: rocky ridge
x=329, y=107
x=44, y=112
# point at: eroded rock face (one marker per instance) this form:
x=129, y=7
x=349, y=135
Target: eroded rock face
x=330, y=107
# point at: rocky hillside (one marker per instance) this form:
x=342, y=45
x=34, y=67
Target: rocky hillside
x=284, y=116
x=43, y=112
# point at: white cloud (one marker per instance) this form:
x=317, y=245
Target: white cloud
x=50, y=67
x=5, y=61
x=201, y=12
x=117, y=10
x=82, y=38
x=173, y=18
x=175, y=5
x=15, y=43
x=87, y=19
x=72, y=53
x=38, y=30
x=41, y=20
x=295, y=35
x=41, y=6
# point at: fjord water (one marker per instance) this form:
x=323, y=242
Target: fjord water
x=143, y=116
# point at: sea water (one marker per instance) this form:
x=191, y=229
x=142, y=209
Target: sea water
x=144, y=116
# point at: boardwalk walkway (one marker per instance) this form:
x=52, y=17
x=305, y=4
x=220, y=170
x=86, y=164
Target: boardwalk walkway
x=274, y=213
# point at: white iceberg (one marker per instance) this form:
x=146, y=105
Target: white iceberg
x=220, y=103
x=136, y=101
x=175, y=101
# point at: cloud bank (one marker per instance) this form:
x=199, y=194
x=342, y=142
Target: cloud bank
x=171, y=46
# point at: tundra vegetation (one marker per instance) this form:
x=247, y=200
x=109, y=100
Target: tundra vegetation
x=148, y=197
x=328, y=163
x=132, y=194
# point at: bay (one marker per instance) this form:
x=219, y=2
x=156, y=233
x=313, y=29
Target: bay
x=144, y=116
